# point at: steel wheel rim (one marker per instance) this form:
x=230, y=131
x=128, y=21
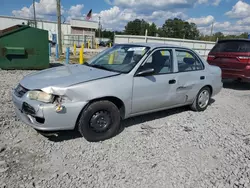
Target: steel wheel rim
x=100, y=121
x=203, y=99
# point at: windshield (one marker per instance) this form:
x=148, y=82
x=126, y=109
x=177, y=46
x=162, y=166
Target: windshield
x=119, y=58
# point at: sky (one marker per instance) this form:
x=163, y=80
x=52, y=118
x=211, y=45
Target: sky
x=227, y=16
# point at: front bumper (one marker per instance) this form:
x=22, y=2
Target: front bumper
x=45, y=117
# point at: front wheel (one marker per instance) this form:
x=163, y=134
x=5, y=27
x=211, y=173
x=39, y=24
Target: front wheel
x=99, y=121
x=202, y=100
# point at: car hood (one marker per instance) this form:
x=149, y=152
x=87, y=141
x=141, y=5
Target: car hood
x=64, y=76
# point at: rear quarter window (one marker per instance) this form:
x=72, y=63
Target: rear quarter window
x=231, y=46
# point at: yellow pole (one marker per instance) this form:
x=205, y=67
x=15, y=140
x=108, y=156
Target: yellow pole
x=143, y=51
x=96, y=46
x=188, y=55
x=111, y=58
x=110, y=45
x=74, y=49
x=81, y=56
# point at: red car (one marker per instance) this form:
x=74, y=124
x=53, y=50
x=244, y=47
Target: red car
x=233, y=57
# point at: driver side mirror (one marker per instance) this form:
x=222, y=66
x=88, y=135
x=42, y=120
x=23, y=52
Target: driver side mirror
x=146, y=72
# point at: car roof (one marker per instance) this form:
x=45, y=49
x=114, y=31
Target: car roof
x=155, y=45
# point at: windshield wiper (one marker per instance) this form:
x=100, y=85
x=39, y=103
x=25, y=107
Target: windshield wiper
x=86, y=63
x=100, y=67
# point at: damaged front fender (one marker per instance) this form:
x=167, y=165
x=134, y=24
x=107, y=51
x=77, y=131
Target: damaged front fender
x=67, y=93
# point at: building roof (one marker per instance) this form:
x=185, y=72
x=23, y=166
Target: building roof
x=43, y=20
x=84, y=20
x=31, y=19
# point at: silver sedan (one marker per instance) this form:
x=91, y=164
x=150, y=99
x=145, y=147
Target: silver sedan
x=123, y=81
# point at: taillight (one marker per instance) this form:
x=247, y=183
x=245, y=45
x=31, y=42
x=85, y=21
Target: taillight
x=244, y=59
x=210, y=57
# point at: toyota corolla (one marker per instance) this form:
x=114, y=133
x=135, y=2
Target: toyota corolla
x=123, y=81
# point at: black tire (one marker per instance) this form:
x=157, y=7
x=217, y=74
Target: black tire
x=90, y=116
x=196, y=106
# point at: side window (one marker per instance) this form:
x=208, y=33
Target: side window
x=160, y=61
x=187, y=61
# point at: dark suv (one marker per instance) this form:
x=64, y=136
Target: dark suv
x=233, y=57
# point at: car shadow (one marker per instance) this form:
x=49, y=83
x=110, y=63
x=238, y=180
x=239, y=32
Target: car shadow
x=60, y=136
x=152, y=116
x=236, y=85
x=156, y=115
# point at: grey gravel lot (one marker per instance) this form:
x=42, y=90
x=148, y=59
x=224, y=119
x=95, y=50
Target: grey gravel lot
x=174, y=148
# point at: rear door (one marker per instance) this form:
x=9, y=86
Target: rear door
x=191, y=76
x=230, y=55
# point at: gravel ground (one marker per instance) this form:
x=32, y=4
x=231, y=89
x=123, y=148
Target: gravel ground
x=184, y=148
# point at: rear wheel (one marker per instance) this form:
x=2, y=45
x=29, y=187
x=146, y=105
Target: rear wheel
x=202, y=100
x=99, y=121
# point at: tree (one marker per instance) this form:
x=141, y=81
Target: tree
x=172, y=28
x=136, y=27
x=152, y=30
x=105, y=34
x=178, y=28
x=220, y=36
x=243, y=35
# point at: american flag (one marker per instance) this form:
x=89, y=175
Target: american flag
x=89, y=15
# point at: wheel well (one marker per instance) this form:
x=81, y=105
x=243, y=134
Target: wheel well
x=210, y=87
x=118, y=102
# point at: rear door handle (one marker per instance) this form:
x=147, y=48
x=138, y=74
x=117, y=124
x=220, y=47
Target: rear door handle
x=202, y=77
x=172, y=81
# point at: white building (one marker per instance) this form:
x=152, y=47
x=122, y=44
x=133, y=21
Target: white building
x=75, y=31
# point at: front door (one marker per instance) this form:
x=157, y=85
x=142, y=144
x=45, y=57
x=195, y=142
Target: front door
x=155, y=91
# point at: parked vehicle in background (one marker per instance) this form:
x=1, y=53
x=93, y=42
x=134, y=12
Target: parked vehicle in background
x=106, y=43
x=103, y=44
x=123, y=81
x=233, y=57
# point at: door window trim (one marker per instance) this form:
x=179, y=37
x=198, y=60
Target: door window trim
x=151, y=53
x=192, y=53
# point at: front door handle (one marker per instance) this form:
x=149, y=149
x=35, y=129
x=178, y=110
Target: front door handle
x=202, y=77
x=172, y=81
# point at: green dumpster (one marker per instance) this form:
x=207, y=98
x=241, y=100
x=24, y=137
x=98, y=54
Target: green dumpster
x=24, y=47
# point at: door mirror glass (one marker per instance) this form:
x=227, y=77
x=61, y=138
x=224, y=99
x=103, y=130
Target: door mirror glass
x=145, y=72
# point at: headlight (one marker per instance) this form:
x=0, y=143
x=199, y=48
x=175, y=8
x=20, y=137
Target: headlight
x=40, y=96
